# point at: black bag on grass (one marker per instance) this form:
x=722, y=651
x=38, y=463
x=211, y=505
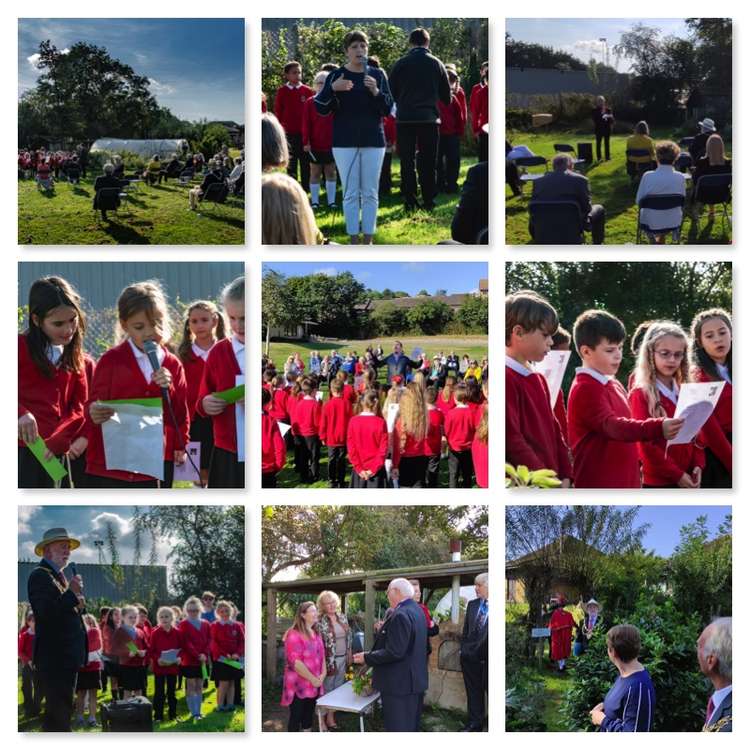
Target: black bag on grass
x=131, y=715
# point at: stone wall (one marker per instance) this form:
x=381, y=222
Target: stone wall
x=446, y=682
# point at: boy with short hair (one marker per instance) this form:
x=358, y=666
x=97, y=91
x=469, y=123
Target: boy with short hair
x=603, y=434
x=459, y=433
x=533, y=436
x=334, y=422
x=289, y=108
x=305, y=424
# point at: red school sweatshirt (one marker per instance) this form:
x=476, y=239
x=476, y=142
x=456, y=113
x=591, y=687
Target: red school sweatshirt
x=162, y=640
x=479, y=105
x=289, y=105
x=334, y=421
x=94, y=643
x=452, y=117
x=194, y=642
x=194, y=367
x=459, y=428
x=662, y=470
x=57, y=403
x=603, y=434
x=26, y=646
x=435, y=431
x=367, y=442
x=412, y=447
x=117, y=376
x=317, y=129
x=533, y=437
x=480, y=456
x=306, y=417
x=226, y=639
x=443, y=405
x=278, y=407
x=717, y=432
x=219, y=375
x=561, y=415
x=273, y=449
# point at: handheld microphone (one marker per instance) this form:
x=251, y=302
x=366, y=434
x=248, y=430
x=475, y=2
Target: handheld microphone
x=73, y=571
x=150, y=348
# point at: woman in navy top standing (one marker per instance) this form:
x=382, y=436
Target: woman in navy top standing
x=630, y=704
x=359, y=97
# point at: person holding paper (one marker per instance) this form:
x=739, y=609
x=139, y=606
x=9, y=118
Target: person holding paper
x=409, y=439
x=89, y=676
x=305, y=426
x=195, y=654
x=367, y=444
x=398, y=363
x=227, y=645
x=660, y=371
x=165, y=644
x=131, y=647
x=460, y=426
x=273, y=449
x=334, y=422
x=711, y=361
x=52, y=385
x=225, y=362
x=125, y=373
x=602, y=431
x=435, y=437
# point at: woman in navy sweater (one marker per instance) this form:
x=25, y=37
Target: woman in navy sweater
x=359, y=97
x=630, y=704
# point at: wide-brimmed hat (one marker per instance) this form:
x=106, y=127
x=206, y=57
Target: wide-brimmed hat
x=708, y=124
x=55, y=535
x=592, y=602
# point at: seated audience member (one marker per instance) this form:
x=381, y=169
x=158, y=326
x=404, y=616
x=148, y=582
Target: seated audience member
x=288, y=218
x=111, y=200
x=237, y=177
x=214, y=177
x=714, y=162
x=472, y=213
x=511, y=172
x=640, y=141
x=663, y=180
x=152, y=174
x=563, y=184
x=172, y=169
x=698, y=147
x=275, y=147
x=44, y=174
x=119, y=167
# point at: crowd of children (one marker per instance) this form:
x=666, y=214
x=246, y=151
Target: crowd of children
x=188, y=646
x=395, y=434
x=46, y=166
x=610, y=435
x=62, y=389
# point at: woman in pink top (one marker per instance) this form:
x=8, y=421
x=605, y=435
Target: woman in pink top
x=305, y=668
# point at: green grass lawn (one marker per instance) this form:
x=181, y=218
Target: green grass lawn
x=213, y=721
x=610, y=186
x=156, y=215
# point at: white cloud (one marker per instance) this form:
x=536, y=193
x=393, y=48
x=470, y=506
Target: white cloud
x=120, y=524
x=329, y=271
x=160, y=88
x=25, y=514
x=33, y=60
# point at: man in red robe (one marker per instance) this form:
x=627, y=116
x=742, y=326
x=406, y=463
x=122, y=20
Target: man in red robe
x=561, y=626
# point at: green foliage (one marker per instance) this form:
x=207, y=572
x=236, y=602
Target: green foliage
x=518, y=119
x=524, y=703
x=474, y=314
x=388, y=320
x=619, y=579
x=213, y=137
x=530, y=55
x=521, y=476
x=429, y=317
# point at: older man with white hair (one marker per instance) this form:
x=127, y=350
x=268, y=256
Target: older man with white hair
x=399, y=659
x=475, y=654
x=715, y=660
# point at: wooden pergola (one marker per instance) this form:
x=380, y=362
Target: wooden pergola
x=450, y=575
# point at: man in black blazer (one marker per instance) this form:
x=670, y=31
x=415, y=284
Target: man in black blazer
x=399, y=659
x=715, y=660
x=472, y=217
x=475, y=654
x=60, y=646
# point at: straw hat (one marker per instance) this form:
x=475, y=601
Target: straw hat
x=55, y=535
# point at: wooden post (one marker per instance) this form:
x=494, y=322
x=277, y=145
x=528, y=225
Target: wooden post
x=369, y=612
x=270, y=634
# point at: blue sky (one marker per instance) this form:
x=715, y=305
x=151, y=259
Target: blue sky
x=196, y=65
x=580, y=36
x=456, y=278
x=666, y=520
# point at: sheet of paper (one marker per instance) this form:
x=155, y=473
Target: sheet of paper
x=134, y=438
x=416, y=352
x=695, y=404
x=170, y=656
x=132, y=648
x=185, y=472
x=284, y=428
x=391, y=416
x=239, y=417
x=232, y=395
x=318, y=395
x=553, y=368
x=358, y=381
x=53, y=467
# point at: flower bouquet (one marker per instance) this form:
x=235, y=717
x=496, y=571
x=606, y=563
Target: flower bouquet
x=362, y=682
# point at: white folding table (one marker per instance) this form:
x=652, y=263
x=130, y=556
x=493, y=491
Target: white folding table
x=343, y=698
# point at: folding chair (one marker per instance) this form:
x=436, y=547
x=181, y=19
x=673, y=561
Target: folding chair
x=556, y=222
x=712, y=190
x=531, y=161
x=109, y=199
x=636, y=169
x=185, y=177
x=215, y=193
x=660, y=203
x=566, y=148
x=683, y=162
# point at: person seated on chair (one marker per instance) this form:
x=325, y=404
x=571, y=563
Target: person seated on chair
x=472, y=212
x=664, y=180
x=44, y=174
x=714, y=162
x=172, y=169
x=118, y=166
x=214, y=176
x=152, y=173
x=236, y=179
x=641, y=141
x=563, y=184
x=511, y=172
x=697, y=148
x=107, y=180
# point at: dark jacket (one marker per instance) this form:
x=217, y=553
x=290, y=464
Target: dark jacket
x=602, y=125
x=697, y=147
x=399, y=654
x=111, y=200
x=397, y=365
x=418, y=80
x=472, y=213
x=474, y=645
x=721, y=721
x=564, y=186
x=60, y=643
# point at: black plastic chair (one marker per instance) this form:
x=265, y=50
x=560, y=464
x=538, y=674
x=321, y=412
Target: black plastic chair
x=660, y=203
x=531, y=161
x=713, y=190
x=686, y=142
x=556, y=223
x=636, y=169
x=566, y=148
x=216, y=193
x=108, y=199
x=683, y=162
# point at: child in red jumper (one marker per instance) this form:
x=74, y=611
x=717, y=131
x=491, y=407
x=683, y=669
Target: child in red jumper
x=533, y=437
x=480, y=111
x=306, y=423
x=711, y=360
x=30, y=687
x=602, y=431
x=130, y=645
x=317, y=142
x=195, y=654
x=367, y=444
x=480, y=449
x=435, y=436
x=225, y=362
x=410, y=432
x=288, y=108
x=459, y=432
x=52, y=386
x=445, y=400
x=660, y=371
x=452, y=126
x=334, y=422
x=163, y=638
x=90, y=676
x=203, y=327
x=227, y=642
x=125, y=372
x=272, y=445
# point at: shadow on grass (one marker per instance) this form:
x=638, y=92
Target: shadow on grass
x=125, y=235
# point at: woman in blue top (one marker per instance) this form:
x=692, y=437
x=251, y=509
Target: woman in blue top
x=358, y=96
x=630, y=704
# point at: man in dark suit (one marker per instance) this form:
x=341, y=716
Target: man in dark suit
x=563, y=184
x=603, y=119
x=399, y=659
x=715, y=660
x=397, y=363
x=60, y=646
x=472, y=217
x=475, y=654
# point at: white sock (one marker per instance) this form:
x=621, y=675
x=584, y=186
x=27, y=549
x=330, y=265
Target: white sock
x=315, y=192
x=561, y=663
x=331, y=191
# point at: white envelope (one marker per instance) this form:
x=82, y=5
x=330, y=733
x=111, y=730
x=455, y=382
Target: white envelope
x=134, y=440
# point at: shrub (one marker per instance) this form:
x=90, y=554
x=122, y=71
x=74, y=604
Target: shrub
x=517, y=119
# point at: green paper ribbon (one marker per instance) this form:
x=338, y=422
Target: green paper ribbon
x=52, y=466
x=232, y=395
